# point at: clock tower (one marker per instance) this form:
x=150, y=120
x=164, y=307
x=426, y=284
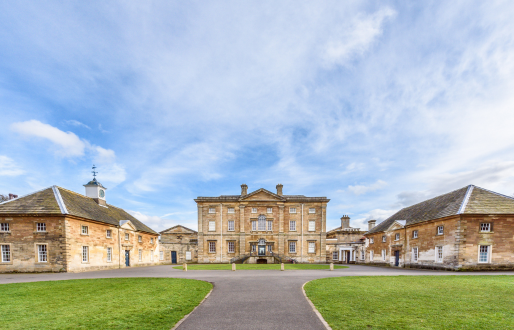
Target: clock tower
x=95, y=190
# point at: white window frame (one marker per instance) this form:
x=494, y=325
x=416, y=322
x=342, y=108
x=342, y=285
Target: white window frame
x=440, y=230
x=261, y=223
x=312, y=210
x=41, y=227
x=254, y=225
x=383, y=254
x=415, y=254
x=151, y=240
x=311, y=247
x=363, y=254
x=127, y=236
x=231, y=226
x=108, y=233
x=414, y=234
x=140, y=239
x=312, y=225
x=335, y=255
x=371, y=240
x=161, y=255
x=269, y=210
x=485, y=227
x=188, y=255
x=439, y=251
x=109, y=254
x=231, y=247
x=269, y=225
x=212, y=225
x=5, y=250
x=140, y=254
x=42, y=252
x=292, y=246
x=84, y=230
x=371, y=256
x=292, y=225
x=4, y=227
x=292, y=210
x=212, y=246
x=85, y=254
x=253, y=247
x=384, y=238
x=212, y=210
x=270, y=247
x=254, y=210
x=488, y=254
x=231, y=210
x=397, y=236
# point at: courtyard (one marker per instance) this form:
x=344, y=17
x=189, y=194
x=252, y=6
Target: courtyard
x=272, y=299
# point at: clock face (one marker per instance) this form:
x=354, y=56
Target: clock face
x=102, y=193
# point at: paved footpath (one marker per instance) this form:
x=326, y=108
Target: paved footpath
x=245, y=299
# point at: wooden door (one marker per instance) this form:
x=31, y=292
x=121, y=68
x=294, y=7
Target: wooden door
x=173, y=257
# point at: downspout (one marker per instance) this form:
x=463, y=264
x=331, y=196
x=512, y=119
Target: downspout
x=301, y=249
x=221, y=231
x=320, y=261
x=119, y=248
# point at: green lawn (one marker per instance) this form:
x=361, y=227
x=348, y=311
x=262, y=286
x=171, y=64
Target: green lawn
x=256, y=266
x=415, y=302
x=120, y=303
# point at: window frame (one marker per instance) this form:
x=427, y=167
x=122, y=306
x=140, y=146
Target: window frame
x=161, y=255
x=84, y=232
x=108, y=233
x=212, y=225
x=85, y=253
x=231, y=225
x=231, y=210
x=140, y=255
x=415, y=234
x=440, y=230
x=292, y=210
x=269, y=225
x=4, y=225
x=488, y=254
x=312, y=210
x=212, y=210
x=292, y=224
x=397, y=236
x=313, y=224
x=254, y=225
x=439, y=250
x=212, y=246
x=384, y=239
x=41, y=227
x=127, y=236
x=38, y=252
x=292, y=246
x=335, y=254
x=254, y=210
x=231, y=247
x=489, y=227
x=4, y=253
x=311, y=246
x=269, y=210
x=384, y=254
x=109, y=254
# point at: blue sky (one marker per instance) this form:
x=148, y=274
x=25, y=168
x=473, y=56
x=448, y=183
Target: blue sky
x=375, y=104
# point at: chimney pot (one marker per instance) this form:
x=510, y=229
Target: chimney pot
x=371, y=224
x=345, y=222
x=279, y=189
x=244, y=189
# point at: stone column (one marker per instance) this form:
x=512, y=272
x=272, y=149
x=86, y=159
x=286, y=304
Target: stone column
x=280, y=247
x=200, y=234
x=242, y=235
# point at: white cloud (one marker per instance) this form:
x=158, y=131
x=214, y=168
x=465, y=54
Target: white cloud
x=159, y=224
x=69, y=144
x=362, y=189
x=74, y=122
x=8, y=167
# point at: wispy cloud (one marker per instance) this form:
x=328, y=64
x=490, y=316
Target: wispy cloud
x=362, y=189
x=74, y=122
x=9, y=168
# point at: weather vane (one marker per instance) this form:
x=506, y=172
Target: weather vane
x=93, y=171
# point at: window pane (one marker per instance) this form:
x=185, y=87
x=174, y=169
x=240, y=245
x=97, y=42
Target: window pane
x=270, y=210
x=312, y=225
x=312, y=247
x=231, y=225
x=292, y=225
x=270, y=225
x=231, y=247
x=188, y=255
x=292, y=247
x=212, y=225
x=262, y=222
x=335, y=255
x=6, y=253
x=484, y=253
x=85, y=253
x=254, y=225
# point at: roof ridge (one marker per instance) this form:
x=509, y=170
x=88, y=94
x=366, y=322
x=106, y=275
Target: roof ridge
x=35, y=192
x=71, y=191
x=60, y=201
x=466, y=199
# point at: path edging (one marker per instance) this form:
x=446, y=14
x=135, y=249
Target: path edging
x=186, y=316
x=327, y=327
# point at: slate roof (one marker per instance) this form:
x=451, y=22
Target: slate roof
x=57, y=200
x=467, y=200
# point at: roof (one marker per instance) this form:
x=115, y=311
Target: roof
x=60, y=201
x=468, y=200
x=94, y=183
x=179, y=227
x=260, y=192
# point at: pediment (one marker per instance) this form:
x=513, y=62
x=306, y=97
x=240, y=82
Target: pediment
x=262, y=195
x=178, y=229
x=127, y=224
x=397, y=224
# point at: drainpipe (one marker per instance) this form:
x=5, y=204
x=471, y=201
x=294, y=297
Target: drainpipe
x=301, y=249
x=221, y=231
x=119, y=248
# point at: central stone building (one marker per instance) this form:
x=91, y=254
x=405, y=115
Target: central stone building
x=261, y=227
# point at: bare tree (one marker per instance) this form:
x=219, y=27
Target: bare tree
x=3, y=198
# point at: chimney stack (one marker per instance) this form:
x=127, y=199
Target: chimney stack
x=371, y=224
x=345, y=222
x=279, y=189
x=12, y=196
x=244, y=189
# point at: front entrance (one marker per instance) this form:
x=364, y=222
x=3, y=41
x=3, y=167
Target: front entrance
x=127, y=258
x=173, y=257
x=348, y=257
x=397, y=258
x=261, y=248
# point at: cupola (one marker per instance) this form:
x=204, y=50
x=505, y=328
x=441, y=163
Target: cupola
x=95, y=190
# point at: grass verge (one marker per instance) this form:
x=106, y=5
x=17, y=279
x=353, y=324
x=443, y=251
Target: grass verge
x=415, y=302
x=256, y=266
x=121, y=303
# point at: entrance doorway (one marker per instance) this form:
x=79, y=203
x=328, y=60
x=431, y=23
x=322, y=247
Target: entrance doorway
x=173, y=257
x=348, y=257
x=262, y=261
x=397, y=258
x=127, y=258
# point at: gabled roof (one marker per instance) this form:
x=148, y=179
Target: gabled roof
x=272, y=196
x=263, y=193
x=57, y=200
x=467, y=200
x=178, y=229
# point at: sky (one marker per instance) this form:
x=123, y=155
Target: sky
x=376, y=105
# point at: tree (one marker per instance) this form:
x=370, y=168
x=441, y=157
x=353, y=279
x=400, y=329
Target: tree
x=3, y=198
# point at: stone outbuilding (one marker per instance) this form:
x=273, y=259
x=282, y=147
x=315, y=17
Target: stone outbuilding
x=345, y=244
x=56, y=229
x=470, y=228
x=179, y=245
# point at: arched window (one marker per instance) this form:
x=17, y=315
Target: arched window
x=262, y=222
